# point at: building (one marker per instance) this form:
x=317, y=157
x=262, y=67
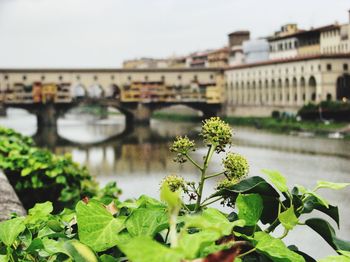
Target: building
x=235, y=41
x=287, y=84
x=219, y=57
x=145, y=63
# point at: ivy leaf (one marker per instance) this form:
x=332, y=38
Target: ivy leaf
x=250, y=208
x=326, y=231
x=212, y=219
x=275, y=248
x=10, y=229
x=97, y=227
x=80, y=252
x=150, y=251
x=192, y=244
x=335, y=259
x=108, y=258
x=277, y=179
x=344, y=253
x=331, y=185
x=312, y=202
x=4, y=258
x=147, y=221
x=26, y=171
x=288, y=218
x=40, y=211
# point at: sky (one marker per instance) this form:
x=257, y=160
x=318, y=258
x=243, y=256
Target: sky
x=103, y=33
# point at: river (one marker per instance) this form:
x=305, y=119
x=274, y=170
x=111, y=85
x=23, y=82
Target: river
x=138, y=159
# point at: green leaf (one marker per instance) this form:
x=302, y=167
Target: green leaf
x=322, y=200
x=150, y=251
x=250, y=208
x=331, y=185
x=97, y=227
x=277, y=179
x=288, y=218
x=108, y=258
x=312, y=202
x=326, y=231
x=53, y=247
x=26, y=171
x=344, y=253
x=10, y=229
x=4, y=258
x=275, y=248
x=40, y=211
x=335, y=259
x=250, y=185
x=147, y=221
x=212, y=219
x=80, y=252
x=192, y=244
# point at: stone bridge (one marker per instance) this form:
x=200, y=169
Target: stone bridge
x=50, y=93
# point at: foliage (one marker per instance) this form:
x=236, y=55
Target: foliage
x=172, y=230
x=42, y=175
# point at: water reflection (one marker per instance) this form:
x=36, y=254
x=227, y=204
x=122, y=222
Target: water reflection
x=139, y=158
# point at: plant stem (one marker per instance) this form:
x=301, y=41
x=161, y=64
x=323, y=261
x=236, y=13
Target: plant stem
x=214, y=175
x=207, y=204
x=285, y=233
x=201, y=183
x=193, y=162
x=248, y=252
x=172, y=229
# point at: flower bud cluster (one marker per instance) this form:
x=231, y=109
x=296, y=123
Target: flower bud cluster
x=182, y=146
x=174, y=182
x=216, y=132
x=236, y=167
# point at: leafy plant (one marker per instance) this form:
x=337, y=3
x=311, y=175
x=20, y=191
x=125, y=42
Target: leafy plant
x=172, y=230
x=44, y=176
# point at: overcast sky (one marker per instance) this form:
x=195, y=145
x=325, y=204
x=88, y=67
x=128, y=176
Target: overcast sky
x=102, y=33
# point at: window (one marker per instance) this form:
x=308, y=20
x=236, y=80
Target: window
x=129, y=78
x=60, y=78
x=78, y=77
x=95, y=77
x=163, y=78
x=211, y=77
x=6, y=77
x=329, y=67
x=195, y=77
x=24, y=77
x=42, y=78
x=112, y=77
x=345, y=67
x=179, y=77
x=146, y=78
x=319, y=67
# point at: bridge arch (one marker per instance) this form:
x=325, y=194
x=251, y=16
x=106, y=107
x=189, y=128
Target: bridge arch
x=295, y=89
x=312, y=85
x=302, y=89
x=343, y=87
x=95, y=91
x=78, y=91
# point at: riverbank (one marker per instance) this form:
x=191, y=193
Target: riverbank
x=277, y=125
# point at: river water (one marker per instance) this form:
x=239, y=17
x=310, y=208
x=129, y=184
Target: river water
x=138, y=159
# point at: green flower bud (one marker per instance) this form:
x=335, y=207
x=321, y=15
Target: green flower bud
x=226, y=183
x=174, y=182
x=236, y=166
x=216, y=132
x=182, y=146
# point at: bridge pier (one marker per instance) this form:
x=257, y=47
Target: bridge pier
x=47, y=115
x=141, y=115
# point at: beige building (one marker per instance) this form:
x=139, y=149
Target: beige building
x=286, y=85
